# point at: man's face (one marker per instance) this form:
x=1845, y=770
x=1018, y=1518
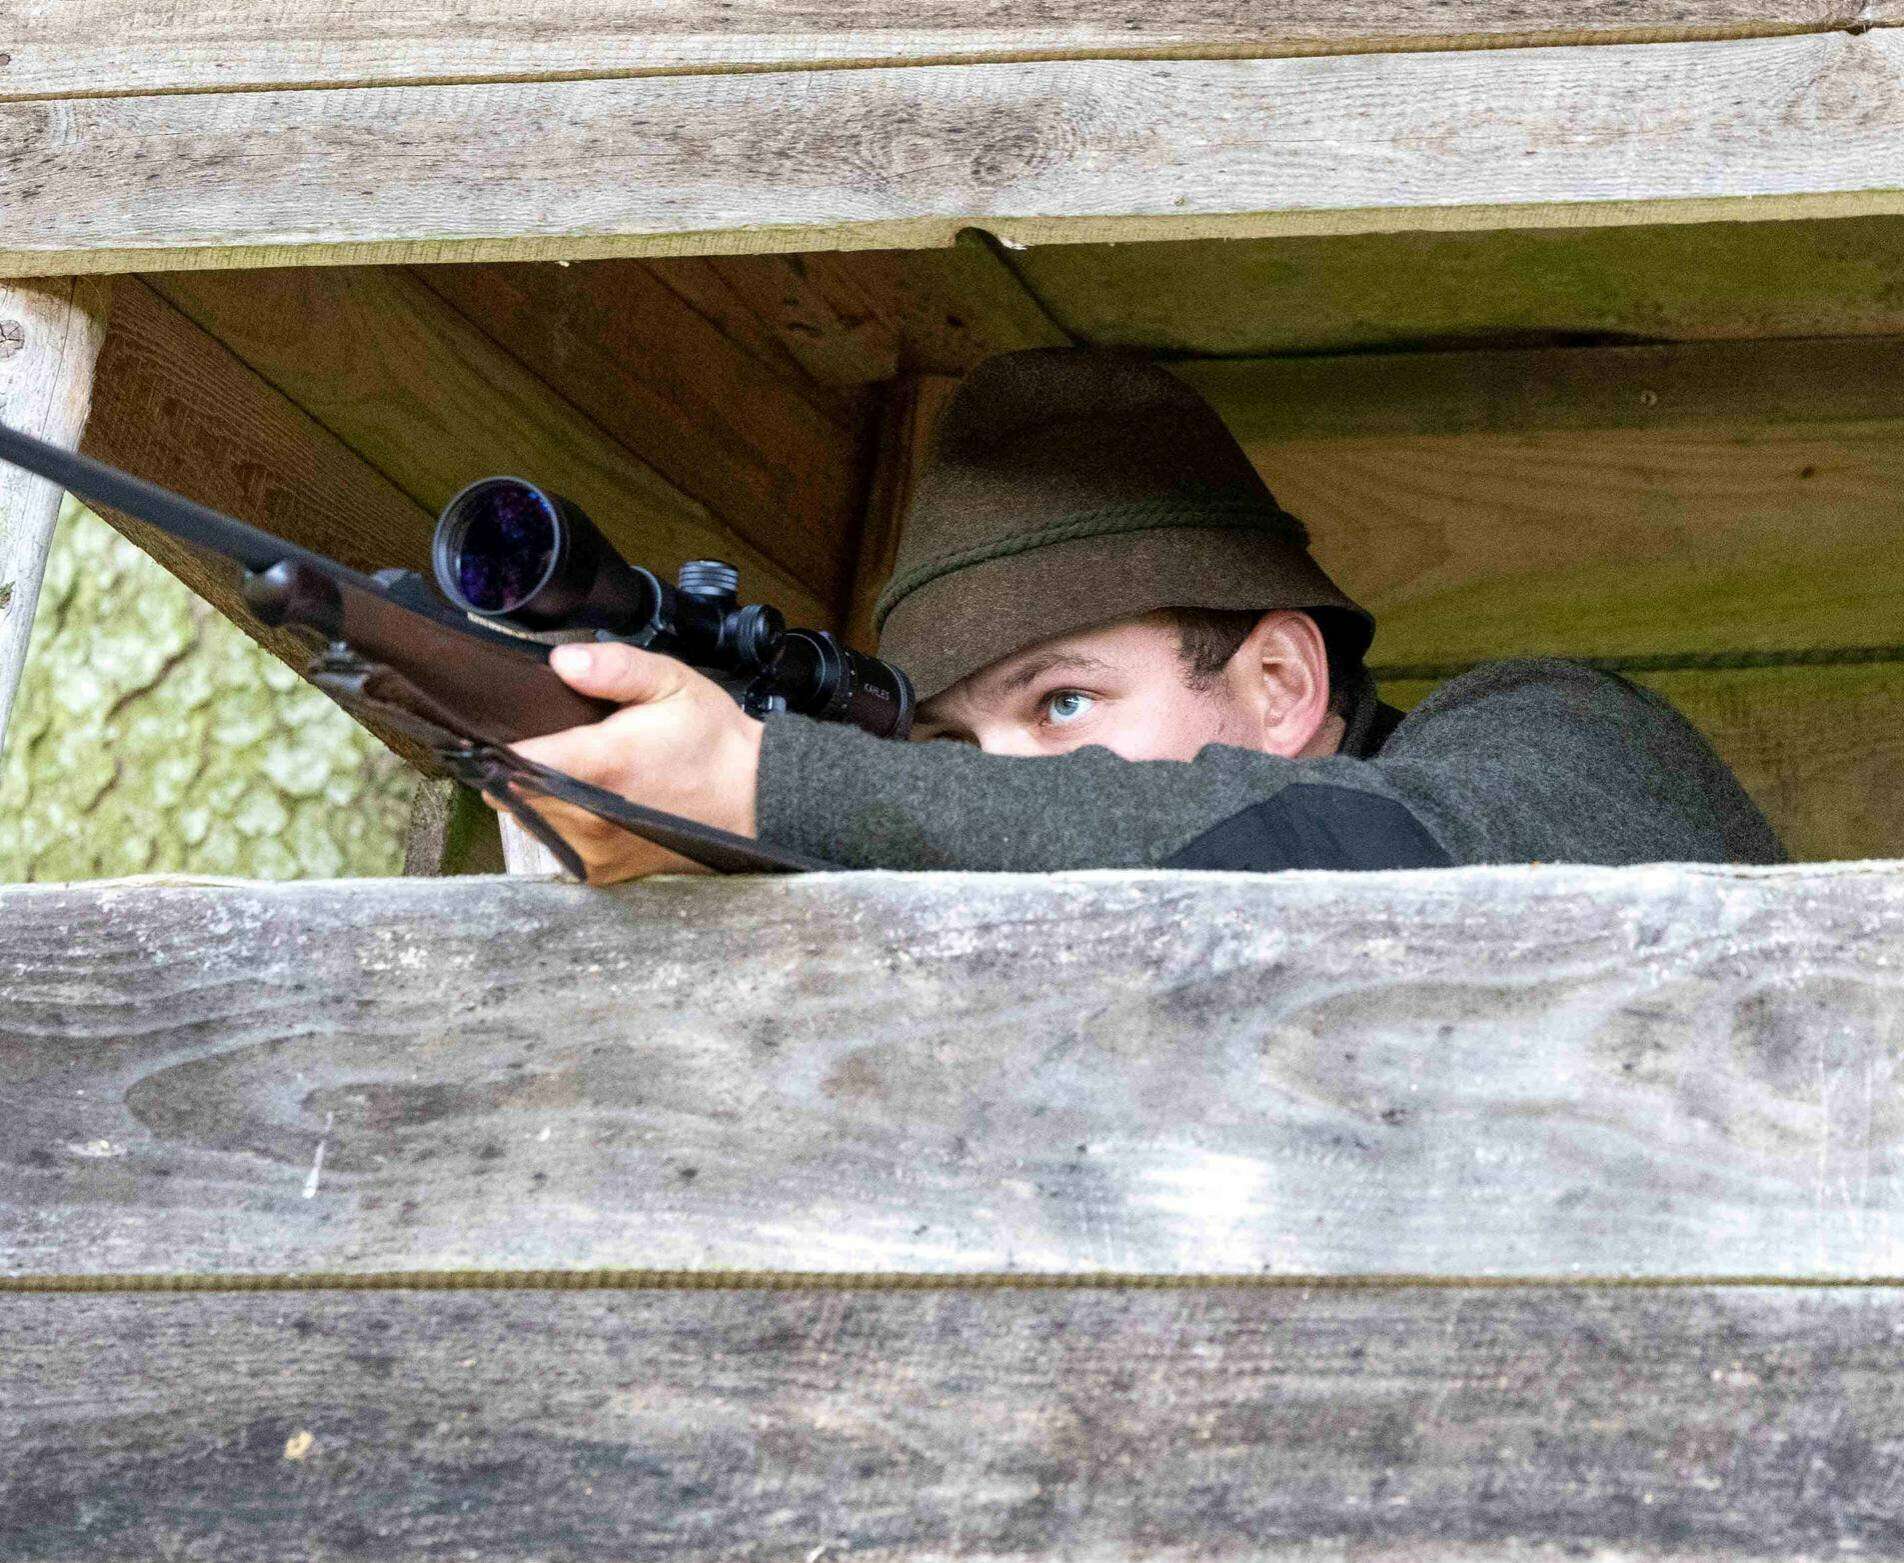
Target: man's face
x=1121, y=684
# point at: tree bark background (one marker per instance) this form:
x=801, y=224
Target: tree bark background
x=150, y=735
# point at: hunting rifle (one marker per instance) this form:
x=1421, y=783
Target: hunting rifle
x=507, y=552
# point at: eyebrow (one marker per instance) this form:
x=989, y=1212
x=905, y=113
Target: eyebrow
x=1036, y=668
x=1051, y=662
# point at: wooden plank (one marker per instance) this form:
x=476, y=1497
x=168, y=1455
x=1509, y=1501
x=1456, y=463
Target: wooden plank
x=912, y=408
x=50, y=335
x=1619, y=543
x=72, y=48
x=863, y=317
x=681, y=396
x=1563, y=1071
x=452, y=831
x=904, y=158
x=176, y=407
x=523, y=855
x=432, y=402
x=1819, y=748
x=1559, y=286
x=1711, y=386
x=1418, y=1425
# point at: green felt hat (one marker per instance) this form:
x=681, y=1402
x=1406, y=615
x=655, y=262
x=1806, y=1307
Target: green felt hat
x=1067, y=487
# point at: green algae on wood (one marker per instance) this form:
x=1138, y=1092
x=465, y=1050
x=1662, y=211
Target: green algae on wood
x=1534, y=287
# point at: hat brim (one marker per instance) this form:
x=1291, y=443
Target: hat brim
x=964, y=621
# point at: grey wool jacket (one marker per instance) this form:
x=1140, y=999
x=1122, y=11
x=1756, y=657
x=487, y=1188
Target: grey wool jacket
x=1539, y=760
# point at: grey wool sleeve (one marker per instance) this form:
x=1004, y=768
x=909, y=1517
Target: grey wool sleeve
x=1516, y=761
x=865, y=802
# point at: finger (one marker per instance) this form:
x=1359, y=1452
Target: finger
x=611, y=671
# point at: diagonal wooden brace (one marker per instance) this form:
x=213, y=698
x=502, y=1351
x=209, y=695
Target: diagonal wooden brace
x=50, y=335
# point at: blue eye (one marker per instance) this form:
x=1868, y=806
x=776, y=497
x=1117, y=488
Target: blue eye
x=1067, y=705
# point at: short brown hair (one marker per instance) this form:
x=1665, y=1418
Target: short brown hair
x=1208, y=637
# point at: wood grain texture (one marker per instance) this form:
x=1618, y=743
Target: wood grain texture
x=1818, y=748
x=452, y=831
x=910, y=412
x=68, y=48
x=1414, y=1425
x=860, y=318
x=1557, y=286
x=50, y=336
x=177, y=407
x=1046, y=152
x=677, y=393
x=1616, y=543
x=523, y=855
x=1710, y=386
x=1662, y=1071
x=433, y=402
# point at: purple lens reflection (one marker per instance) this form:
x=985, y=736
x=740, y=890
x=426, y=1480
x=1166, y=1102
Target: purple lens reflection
x=508, y=540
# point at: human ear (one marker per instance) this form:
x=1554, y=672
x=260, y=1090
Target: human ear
x=1284, y=670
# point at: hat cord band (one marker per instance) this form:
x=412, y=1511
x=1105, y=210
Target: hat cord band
x=1148, y=515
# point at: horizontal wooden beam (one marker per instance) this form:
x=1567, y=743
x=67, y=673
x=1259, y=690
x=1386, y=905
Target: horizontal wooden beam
x=1728, y=386
x=75, y=48
x=1516, y=288
x=1607, y=544
x=1039, y=153
x=1416, y=1425
x=1680, y=501
x=1659, y=1072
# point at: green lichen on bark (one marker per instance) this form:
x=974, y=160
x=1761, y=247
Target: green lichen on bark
x=149, y=734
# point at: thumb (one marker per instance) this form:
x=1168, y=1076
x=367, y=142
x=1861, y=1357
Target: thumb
x=616, y=672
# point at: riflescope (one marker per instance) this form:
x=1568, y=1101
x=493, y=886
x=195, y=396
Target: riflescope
x=508, y=550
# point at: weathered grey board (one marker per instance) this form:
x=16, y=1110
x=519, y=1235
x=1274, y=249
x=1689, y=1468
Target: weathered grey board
x=49, y=339
x=1659, y=1071
x=1421, y=1424
x=91, y=48
x=1042, y=152
x=452, y=831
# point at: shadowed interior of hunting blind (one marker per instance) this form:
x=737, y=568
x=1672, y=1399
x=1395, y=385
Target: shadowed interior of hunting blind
x=1672, y=449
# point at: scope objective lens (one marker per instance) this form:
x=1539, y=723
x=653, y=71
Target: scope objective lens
x=504, y=545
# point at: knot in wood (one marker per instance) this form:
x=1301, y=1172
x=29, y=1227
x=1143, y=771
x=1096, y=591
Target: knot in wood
x=12, y=337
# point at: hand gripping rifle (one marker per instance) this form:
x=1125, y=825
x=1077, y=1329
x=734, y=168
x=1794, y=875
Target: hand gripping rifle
x=386, y=645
